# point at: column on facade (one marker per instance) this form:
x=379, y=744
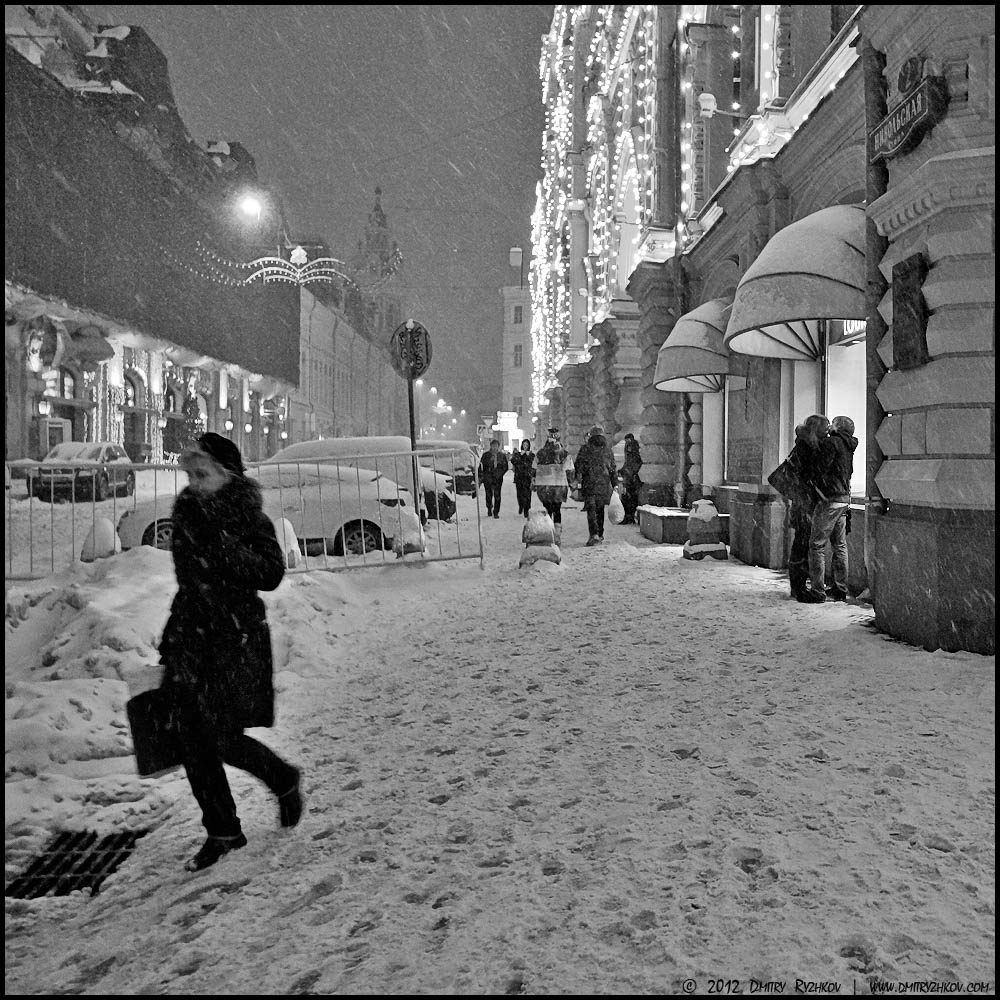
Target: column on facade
x=937, y=396
x=663, y=413
x=604, y=388
x=573, y=378
x=627, y=370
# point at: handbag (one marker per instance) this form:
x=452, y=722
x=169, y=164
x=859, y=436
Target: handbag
x=616, y=509
x=152, y=719
x=787, y=481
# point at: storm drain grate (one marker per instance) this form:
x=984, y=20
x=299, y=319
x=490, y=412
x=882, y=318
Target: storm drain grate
x=74, y=860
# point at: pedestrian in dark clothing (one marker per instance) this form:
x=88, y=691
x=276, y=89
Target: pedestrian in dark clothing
x=830, y=516
x=216, y=645
x=804, y=458
x=630, y=478
x=523, y=462
x=550, y=478
x=493, y=467
x=597, y=478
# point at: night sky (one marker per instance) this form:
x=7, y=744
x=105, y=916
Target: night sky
x=440, y=106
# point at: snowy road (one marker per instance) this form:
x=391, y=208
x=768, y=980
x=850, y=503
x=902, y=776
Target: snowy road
x=608, y=776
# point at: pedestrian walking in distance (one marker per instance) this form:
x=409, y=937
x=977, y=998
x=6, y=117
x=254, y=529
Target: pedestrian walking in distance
x=551, y=482
x=630, y=478
x=493, y=467
x=216, y=645
x=523, y=463
x=597, y=477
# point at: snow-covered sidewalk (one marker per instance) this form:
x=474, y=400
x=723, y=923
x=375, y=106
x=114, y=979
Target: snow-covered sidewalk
x=615, y=775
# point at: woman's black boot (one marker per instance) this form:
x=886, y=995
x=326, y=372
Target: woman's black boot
x=290, y=805
x=213, y=849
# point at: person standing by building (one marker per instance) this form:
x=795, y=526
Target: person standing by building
x=630, y=478
x=831, y=515
x=597, y=477
x=216, y=644
x=523, y=463
x=804, y=458
x=493, y=467
x=550, y=478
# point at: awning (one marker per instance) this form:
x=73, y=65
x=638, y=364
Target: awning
x=810, y=271
x=693, y=358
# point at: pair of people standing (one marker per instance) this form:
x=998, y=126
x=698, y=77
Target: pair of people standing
x=823, y=458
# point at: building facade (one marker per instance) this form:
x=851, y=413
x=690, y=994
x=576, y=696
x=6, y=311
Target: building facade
x=130, y=313
x=515, y=419
x=779, y=210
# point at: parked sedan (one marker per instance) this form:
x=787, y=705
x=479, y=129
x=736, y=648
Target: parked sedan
x=78, y=470
x=337, y=510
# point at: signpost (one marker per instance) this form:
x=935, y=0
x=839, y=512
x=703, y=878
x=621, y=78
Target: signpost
x=410, y=354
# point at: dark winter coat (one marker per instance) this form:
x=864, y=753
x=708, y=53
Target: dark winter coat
x=595, y=470
x=493, y=466
x=523, y=463
x=835, y=466
x=216, y=643
x=804, y=459
x=631, y=466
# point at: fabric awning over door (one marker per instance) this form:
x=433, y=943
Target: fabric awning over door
x=693, y=358
x=809, y=271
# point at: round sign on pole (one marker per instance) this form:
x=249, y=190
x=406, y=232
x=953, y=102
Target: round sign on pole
x=410, y=350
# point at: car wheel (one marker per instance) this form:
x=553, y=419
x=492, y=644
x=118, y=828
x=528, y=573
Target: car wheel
x=358, y=538
x=130, y=485
x=101, y=488
x=160, y=534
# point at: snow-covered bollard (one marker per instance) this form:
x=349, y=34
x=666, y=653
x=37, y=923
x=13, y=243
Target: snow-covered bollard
x=287, y=540
x=540, y=540
x=704, y=532
x=102, y=541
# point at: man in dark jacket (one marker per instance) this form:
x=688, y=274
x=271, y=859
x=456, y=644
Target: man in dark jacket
x=597, y=477
x=216, y=644
x=493, y=467
x=832, y=482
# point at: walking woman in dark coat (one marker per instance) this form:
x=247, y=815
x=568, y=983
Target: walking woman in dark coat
x=216, y=645
x=523, y=463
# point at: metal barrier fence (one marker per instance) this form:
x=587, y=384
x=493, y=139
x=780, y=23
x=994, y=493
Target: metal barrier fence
x=331, y=514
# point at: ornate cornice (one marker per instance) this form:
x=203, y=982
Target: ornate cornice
x=953, y=179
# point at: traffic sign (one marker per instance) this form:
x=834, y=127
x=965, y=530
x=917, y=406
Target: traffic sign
x=410, y=350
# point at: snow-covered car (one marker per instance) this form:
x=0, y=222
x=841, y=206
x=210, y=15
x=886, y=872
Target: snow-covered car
x=389, y=454
x=339, y=510
x=453, y=458
x=78, y=470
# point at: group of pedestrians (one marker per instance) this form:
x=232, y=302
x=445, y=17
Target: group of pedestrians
x=551, y=473
x=823, y=460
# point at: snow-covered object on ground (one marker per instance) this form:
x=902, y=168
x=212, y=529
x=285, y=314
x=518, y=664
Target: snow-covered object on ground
x=101, y=542
x=539, y=537
x=704, y=532
x=286, y=539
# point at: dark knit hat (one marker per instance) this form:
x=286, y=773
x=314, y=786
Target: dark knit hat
x=223, y=451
